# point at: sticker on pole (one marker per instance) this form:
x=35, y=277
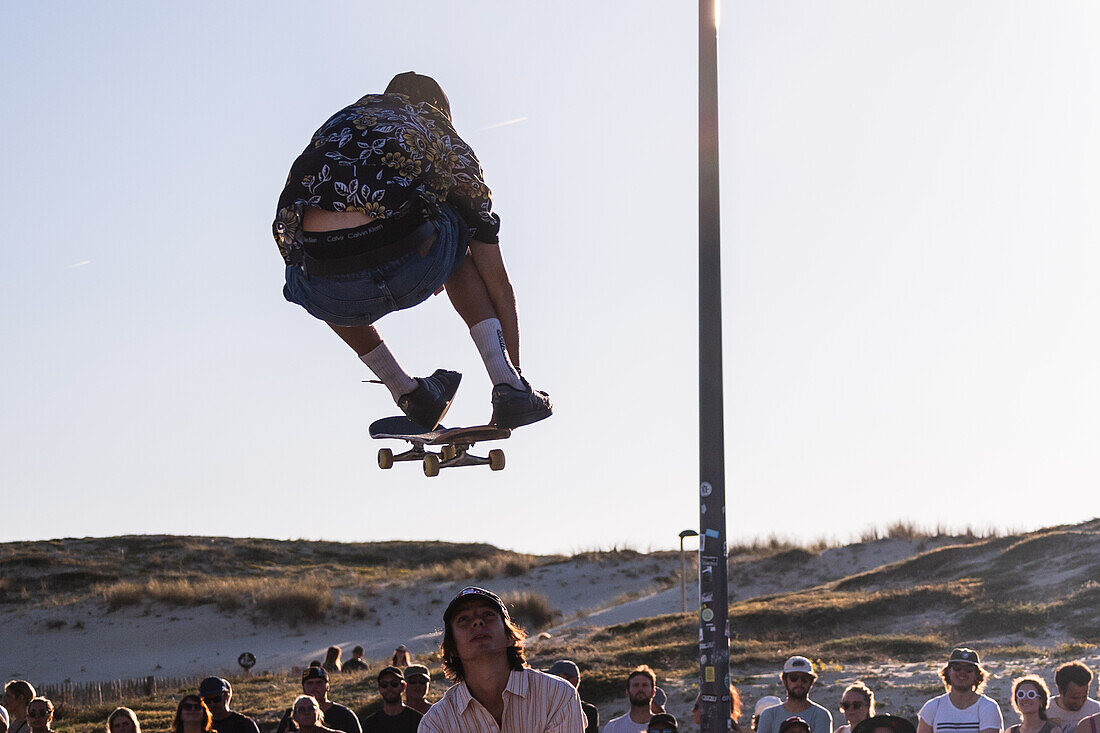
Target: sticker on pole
x=707, y=614
x=705, y=489
x=708, y=674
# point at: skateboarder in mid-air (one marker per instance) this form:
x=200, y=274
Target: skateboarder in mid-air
x=379, y=212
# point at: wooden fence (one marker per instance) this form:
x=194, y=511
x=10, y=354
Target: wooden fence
x=92, y=693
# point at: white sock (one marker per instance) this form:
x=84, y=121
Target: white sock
x=386, y=368
x=488, y=336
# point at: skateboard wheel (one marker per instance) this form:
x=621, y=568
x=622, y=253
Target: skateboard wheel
x=496, y=459
x=431, y=465
x=385, y=458
x=449, y=452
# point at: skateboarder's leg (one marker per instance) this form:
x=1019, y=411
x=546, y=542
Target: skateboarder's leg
x=471, y=299
x=373, y=352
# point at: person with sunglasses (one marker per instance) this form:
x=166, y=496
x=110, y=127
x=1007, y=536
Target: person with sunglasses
x=963, y=708
x=306, y=713
x=857, y=703
x=395, y=716
x=662, y=723
x=192, y=716
x=315, y=684
x=798, y=678
x=40, y=715
x=1030, y=697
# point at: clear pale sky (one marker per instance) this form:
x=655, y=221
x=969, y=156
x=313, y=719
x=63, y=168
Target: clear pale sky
x=910, y=236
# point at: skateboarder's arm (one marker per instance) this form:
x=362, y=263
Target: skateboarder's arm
x=490, y=264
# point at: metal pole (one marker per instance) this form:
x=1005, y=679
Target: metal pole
x=713, y=592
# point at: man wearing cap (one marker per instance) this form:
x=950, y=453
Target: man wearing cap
x=494, y=688
x=217, y=693
x=571, y=673
x=1072, y=704
x=662, y=723
x=417, y=679
x=394, y=717
x=356, y=663
x=315, y=684
x=798, y=678
x=962, y=709
x=641, y=685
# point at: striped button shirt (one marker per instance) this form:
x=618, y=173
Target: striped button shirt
x=533, y=703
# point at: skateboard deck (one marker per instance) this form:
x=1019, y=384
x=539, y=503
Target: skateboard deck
x=454, y=444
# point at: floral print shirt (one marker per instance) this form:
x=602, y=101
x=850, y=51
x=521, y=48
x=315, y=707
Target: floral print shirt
x=388, y=157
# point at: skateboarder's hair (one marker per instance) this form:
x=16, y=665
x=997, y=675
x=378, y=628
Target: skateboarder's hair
x=420, y=88
x=452, y=665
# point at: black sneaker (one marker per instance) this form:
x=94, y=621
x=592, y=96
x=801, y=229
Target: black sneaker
x=513, y=407
x=428, y=403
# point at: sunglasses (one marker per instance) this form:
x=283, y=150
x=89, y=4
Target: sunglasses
x=191, y=706
x=38, y=713
x=961, y=667
x=1026, y=694
x=799, y=677
x=662, y=730
x=394, y=683
x=853, y=705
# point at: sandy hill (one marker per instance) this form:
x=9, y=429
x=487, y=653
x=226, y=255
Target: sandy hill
x=884, y=610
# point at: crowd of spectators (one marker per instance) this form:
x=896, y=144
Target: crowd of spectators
x=494, y=689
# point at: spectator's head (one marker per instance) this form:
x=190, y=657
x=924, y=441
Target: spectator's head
x=417, y=679
x=5, y=719
x=567, y=670
x=657, y=704
x=964, y=671
x=315, y=683
x=123, y=720
x=662, y=723
x=17, y=694
x=476, y=623
x=357, y=652
x=857, y=703
x=1029, y=695
x=332, y=659
x=798, y=677
x=306, y=712
x=885, y=724
x=401, y=657
x=391, y=685
x=190, y=712
x=1073, y=680
x=794, y=724
x=216, y=693
x=420, y=88
x=641, y=686
x=39, y=713
x=735, y=706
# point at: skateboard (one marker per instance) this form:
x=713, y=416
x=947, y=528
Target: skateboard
x=455, y=444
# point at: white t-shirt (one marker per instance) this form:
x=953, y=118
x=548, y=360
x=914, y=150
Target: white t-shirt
x=944, y=717
x=623, y=724
x=1069, y=718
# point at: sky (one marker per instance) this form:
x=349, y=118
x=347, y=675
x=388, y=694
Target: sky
x=909, y=257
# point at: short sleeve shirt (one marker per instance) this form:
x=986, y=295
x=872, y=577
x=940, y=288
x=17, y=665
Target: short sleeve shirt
x=820, y=719
x=533, y=703
x=389, y=158
x=944, y=717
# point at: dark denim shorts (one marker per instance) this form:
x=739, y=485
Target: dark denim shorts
x=361, y=298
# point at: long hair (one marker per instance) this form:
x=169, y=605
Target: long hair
x=332, y=659
x=123, y=713
x=865, y=692
x=316, y=706
x=207, y=718
x=452, y=665
x=1040, y=686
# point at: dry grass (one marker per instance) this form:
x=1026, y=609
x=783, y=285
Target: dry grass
x=531, y=610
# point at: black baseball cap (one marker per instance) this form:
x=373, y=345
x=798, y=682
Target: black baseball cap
x=663, y=722
x=391, y=670
x=962, y=654
x=792, y=722
x=213, y=687
x=314, y=673
x=417, y=672
x=474, y=593
x=896, y=723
